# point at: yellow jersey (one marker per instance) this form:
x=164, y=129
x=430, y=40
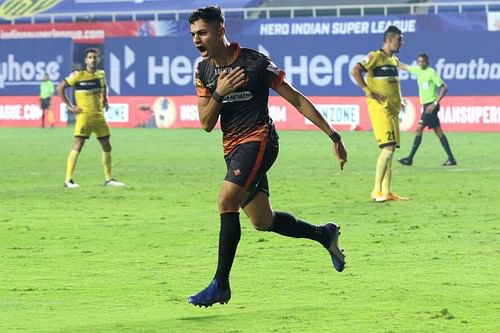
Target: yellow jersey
x=382, y=77
x=89, y=89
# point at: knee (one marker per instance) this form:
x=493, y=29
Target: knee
x=389, y=151
x=78, y=146
x=228, y=203
x=106, y=148
x=262, y=222
x=261, y=225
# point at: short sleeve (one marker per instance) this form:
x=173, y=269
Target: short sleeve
x=73, y=78
x=103, y=75
x=271, y=74
x=201, y=88
x=436, y=79
x=369, y=61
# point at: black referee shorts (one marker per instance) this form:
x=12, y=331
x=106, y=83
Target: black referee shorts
x=430, y=120
x=247, y=165
x=44, y=103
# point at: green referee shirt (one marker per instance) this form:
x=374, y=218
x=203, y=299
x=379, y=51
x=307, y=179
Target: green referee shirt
x=46, y=89
x=428, y=83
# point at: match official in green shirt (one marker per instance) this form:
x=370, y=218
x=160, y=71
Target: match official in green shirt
x=46, y=91
x=431, y=89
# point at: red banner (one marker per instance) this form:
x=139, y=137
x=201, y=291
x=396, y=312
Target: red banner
x=344, y=113
x=84, y=32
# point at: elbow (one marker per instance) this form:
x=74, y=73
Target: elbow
x=355, y=71
x=207, y=127
x=60, y=90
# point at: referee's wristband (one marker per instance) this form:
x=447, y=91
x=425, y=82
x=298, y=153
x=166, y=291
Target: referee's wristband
x=218, y=98
x=335, y=137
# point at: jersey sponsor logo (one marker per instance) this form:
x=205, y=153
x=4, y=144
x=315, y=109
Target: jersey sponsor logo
x=88, y=85
x=385, y=71
x=219, y=71
x=238, y=96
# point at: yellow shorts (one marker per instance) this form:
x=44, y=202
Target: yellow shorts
x=86, y=124
x=385, y=124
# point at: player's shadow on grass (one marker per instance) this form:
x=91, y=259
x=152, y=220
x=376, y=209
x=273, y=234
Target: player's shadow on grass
x=203, y=317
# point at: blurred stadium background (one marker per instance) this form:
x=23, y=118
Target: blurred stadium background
x=149, y=58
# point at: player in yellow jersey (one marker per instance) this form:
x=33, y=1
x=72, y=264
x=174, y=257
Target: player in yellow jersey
x=91, y=99
x=383, y=95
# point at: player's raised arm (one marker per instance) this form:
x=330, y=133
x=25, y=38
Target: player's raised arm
x=308, y=110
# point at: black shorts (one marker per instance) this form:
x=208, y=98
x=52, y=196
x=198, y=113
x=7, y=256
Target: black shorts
x=430, y=120
x=247, y=165
x=45, y=103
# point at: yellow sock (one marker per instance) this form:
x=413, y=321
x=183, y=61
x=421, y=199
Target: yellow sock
x=106, y=160
x=387, y=180
x=382, y=162
x=71, y=164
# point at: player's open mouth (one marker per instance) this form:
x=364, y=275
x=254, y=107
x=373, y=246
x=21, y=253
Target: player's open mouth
x=202, y=50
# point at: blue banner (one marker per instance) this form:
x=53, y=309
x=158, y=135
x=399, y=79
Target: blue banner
x=316, y=65
x=23, y=63
x=159, y=66
x=359, y=25
x=332, y=26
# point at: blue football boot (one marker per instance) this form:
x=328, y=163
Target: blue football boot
x=211, y=295
x=338, y=257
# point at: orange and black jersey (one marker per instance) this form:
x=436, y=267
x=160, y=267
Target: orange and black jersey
x=244, y=116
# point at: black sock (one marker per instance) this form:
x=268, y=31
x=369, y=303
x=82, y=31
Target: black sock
x=416, y=144
x=229, y=236
x=287, y=225
x=446, y=146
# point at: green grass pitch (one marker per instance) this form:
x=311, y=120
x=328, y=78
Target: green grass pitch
x=99, y=259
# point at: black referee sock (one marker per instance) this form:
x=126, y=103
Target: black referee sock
x=446, y=146
x=416, y=144
x=229, y=236
x=287, y=225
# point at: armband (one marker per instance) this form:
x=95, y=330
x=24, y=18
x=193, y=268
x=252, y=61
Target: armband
x=218, y=98
x=335, y=137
